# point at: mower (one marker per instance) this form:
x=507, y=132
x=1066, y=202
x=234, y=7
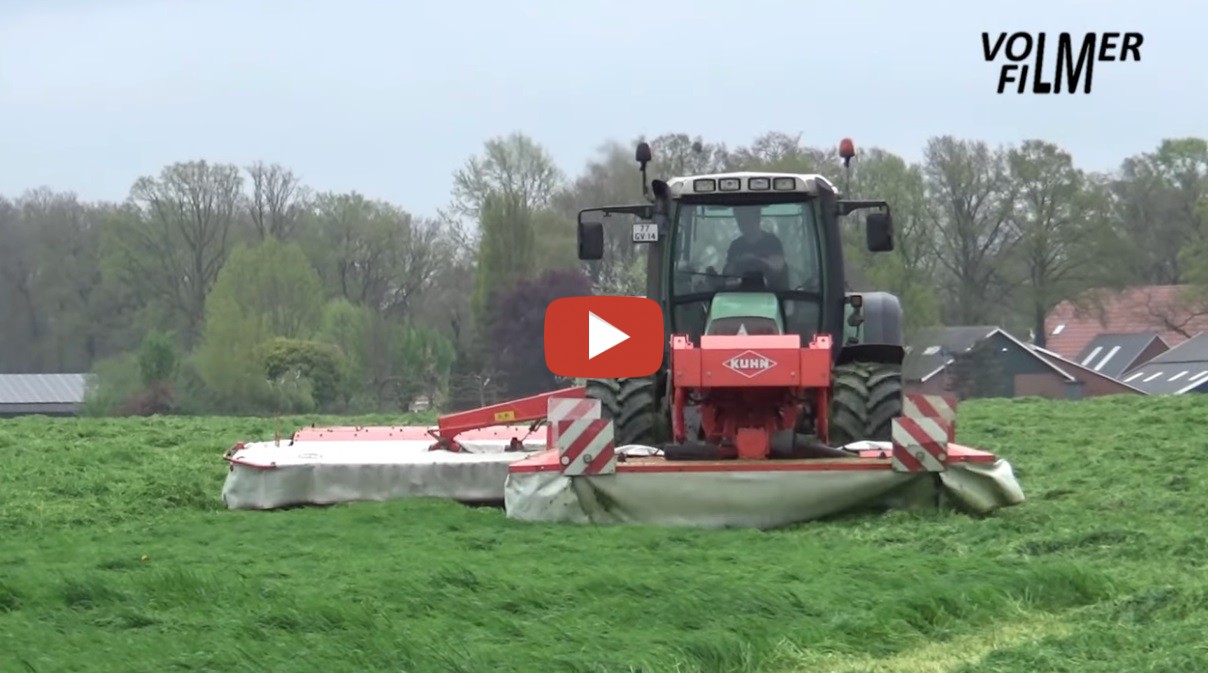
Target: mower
x=779, y=398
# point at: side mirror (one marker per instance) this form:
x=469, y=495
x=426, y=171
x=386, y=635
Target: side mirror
x=591, y=240
x=878, y=231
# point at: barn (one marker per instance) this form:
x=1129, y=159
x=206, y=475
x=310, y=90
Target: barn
x=1180, y=370
x=1114, y=354
x=45, y=394
x=988, y=361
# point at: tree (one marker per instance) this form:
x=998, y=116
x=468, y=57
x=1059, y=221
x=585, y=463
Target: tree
x=507, y=251
x=507, y=189
x=1157, y=197
x=978, y=372
x=783, y=152
x=58, y=316
x=173, y=237
x=446, y=304
x=275, y=281
x=321, y=364
x=227, y=361
x=22, y=330
x=970, y=202
x=157, y=363
x=677, y=154
x=278, y=201
x=910, y=269
x=424, y=359
x=1057, y=248
x=515, y=167
x=266, y=291
x=376, y=254
x=611, y=178
x=517, y=329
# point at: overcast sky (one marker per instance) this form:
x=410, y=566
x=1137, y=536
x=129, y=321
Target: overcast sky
x=390, y=97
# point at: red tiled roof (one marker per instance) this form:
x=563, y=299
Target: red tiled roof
x=1154, y=308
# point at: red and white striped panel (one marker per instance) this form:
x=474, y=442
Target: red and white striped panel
x=920, y=445
x=568, y=409
x=586, y=446
x=942, y=407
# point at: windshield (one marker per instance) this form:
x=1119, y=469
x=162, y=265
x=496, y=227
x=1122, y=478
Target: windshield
x=712, y=242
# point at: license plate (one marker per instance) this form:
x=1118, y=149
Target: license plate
x=645, y=232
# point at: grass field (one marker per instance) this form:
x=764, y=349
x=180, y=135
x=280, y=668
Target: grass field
x=116, y=554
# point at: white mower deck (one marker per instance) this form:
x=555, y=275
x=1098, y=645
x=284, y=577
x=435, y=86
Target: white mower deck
x=570, y=471
x=333, y=465
x=647, y=489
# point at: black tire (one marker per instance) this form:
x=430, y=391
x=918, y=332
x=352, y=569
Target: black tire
x=632, y=405
x=866, y=397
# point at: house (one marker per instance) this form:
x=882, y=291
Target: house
x=1114, y=354
x=1182, y=369
x=46, y=394
x=998, y=364
x=1072, y=325
x=1091, y=383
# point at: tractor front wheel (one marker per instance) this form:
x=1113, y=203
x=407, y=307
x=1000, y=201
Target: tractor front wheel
x=866, y=397
x=632, y=405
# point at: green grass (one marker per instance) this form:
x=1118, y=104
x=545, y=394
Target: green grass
x=116, y=554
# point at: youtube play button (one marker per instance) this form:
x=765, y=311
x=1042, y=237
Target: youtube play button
x=603, y=337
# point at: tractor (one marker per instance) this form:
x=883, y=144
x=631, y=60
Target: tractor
x=756, y=255
x=777, y=400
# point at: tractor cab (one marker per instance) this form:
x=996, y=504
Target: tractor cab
x=744, y=268
x=743, y=252
x=751, y=257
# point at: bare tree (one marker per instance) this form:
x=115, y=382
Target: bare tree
x=778, y=151
x=514, y=166
x=422, y=250
x=678, y=154
x=377, y=254
x=610, y=179
x=278, y=201
x=352, y=247
x=175, y=236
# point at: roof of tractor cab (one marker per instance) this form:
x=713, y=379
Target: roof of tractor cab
x=804, y=183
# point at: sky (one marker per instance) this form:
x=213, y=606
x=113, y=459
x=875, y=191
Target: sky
x=390, y=98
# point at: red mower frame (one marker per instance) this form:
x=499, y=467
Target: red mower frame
x=749, y=387
x=740, y=408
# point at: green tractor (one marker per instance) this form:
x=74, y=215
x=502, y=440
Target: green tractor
x=757, y=253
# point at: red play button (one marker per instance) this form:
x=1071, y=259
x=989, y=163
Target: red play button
x=603, y=337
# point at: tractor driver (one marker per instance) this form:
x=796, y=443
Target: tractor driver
x=754, y=242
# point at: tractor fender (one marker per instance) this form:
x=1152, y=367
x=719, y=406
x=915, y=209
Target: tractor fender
x=882, y=329
x=882, y=319
x=889, y=354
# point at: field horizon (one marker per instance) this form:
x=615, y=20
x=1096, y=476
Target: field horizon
x=117, y=554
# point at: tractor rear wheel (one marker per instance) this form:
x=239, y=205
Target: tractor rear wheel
x=632, y=405
x=866, y=397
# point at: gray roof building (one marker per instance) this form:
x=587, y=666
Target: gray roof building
x=1182, y=369
x=1114, y=354
x=1009, y=368
x=49, y=394
x=934, y=348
